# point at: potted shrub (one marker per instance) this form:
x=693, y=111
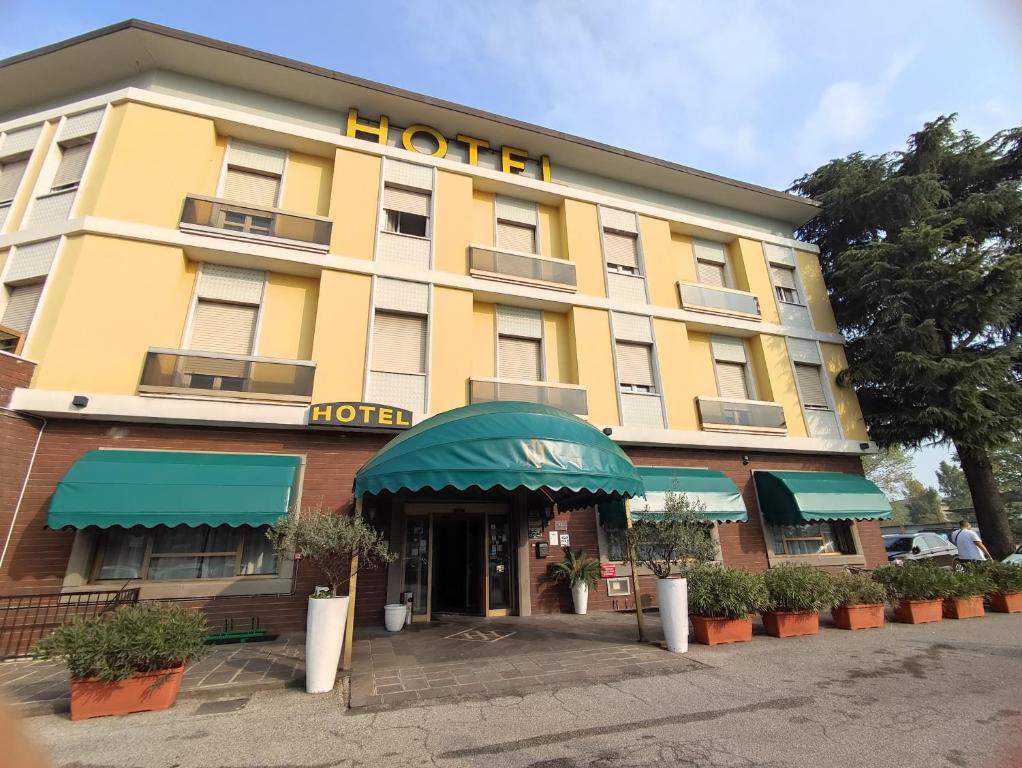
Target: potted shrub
x=796, y=595
x=858, y=601
x=330, y=542
x=721, y=601
x=916, y=589
x=668, y=545
x=128, y=660
x=964, y=596
x=1005, y=586
x=581, y=572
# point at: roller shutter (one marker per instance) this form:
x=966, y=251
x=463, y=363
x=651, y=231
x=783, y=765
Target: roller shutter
x=731, y=380
x=810, y=384
x=635, y=364
x=399, y=343
x=516, y=237
x=255, y=189
x=621, y=249
x=520, y=359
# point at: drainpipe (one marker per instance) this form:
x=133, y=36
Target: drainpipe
x=24, y=484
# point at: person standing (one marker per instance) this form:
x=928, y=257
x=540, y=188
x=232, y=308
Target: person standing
x=970, y=546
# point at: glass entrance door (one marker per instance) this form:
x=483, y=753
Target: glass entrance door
x=498, y=565
x=416, y=563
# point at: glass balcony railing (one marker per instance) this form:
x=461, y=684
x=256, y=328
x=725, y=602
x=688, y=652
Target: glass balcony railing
x=178, y=371
x=567, y=397
x=724, y=415
x=522, y=268
x=207, y=213
x=726, y=301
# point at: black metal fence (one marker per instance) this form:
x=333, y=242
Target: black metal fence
x=27, y=618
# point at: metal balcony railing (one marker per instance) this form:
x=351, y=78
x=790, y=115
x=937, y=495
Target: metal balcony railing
x=721, y=414
x=522, y=268
x=177, y=371
x=726, y=301
x=568, y=397
x=236, y=220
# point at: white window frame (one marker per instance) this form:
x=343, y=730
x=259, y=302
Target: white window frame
x=750, y=380
x=542, y=345
x=225, y=164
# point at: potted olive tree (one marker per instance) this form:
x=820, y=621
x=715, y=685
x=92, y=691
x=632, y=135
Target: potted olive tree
x=668, y=545
x=858, y=602
x=581, y=572
x=330, y=542
x=1005, y=586
x=721, y=601
x=964, y=596
x=128, y=660
x=797, y=593
x=916, y=589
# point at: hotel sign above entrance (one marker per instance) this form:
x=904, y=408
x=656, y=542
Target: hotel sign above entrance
x=429, y=141
x=360, y=415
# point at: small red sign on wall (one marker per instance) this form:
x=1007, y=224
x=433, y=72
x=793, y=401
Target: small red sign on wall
x=608, y=570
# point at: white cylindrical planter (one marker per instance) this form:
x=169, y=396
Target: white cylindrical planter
x=580, y=596
x=394, y=615
x=324, y=639
x=672, y=597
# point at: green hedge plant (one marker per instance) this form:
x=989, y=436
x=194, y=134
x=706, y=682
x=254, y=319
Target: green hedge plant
x=971, y=582
x=1004, y=578
x=914, y=580
x=798, y=588
x=856, y=589
x=126, y=641
x=719, y=592
x=576, y=568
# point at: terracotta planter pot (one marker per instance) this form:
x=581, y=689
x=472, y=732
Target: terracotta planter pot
x=710, y=630
x=919, y=611
x=142, y=693
x=866, y=616
x=790, y=623
x=964, y=607
x=1006, y=602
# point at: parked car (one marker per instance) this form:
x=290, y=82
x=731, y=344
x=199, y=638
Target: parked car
x=1015, y=558
x=920, y=546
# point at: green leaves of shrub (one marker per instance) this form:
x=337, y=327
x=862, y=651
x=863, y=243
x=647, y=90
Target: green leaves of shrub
x=969, y=583
x=576, y=568
x=1004, y=577
x=717, y=591
x=856, y=589
x=126, y=641
x=798, y=588
x=914, y=580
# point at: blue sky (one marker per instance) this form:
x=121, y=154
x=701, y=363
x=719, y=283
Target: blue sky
x=760, y=91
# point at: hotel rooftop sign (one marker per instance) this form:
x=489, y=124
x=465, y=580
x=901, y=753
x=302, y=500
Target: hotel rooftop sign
x=427, y=140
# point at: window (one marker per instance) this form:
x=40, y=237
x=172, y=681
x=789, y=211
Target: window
x=399, y=343
x=259, y=190
x=406, y=211
x=622, y=250
x=731, y=367
x=516, y=236
x=710, y=273
x=517, y=224
x=635, y=367
x=519, y=359
x=21, y=305
x=184, y=553
x=784, y=284
x=711, y=262
x=827, y=538
x=218, y=326
x=73, y=158
x=810, y=385
x=11, y=173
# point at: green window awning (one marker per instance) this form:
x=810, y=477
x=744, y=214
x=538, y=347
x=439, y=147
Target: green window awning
x=505, y=444
x=149, y=488
x=794, y=498
x=722, y=500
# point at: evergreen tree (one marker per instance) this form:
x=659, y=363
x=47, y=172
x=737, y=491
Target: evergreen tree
x=953, y=488
x=922, y=251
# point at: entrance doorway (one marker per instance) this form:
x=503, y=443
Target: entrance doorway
x=458, y=560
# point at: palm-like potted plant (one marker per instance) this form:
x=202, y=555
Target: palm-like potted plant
x=128, y=660
x=1005, y=586
x=721, y=601
x=916, y=589
x=330, y=542
x=797, y=593
x=581, y=572
x=858, y=601
x=669, y=545
x=964, y=597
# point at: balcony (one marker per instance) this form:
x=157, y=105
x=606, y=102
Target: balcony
x=217, y=374
x=207, y=215
x=700, y=297
x=522, y=268
x=567, y=397
x=721, y=415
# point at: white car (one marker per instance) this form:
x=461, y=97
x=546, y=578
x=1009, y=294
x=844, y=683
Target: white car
x=1015, y=558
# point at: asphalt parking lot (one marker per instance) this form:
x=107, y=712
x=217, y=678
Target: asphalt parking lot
x=947, y=694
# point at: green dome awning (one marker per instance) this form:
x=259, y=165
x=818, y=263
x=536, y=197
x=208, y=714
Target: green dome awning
x=793, y=498
x=149, y=488
x=503, y=444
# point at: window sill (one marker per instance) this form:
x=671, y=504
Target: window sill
x=422, y=238
x=199, y=588
x=818, y=560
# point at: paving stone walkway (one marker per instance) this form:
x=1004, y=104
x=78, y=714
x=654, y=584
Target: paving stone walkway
x=461, y=657
x=42, y=686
